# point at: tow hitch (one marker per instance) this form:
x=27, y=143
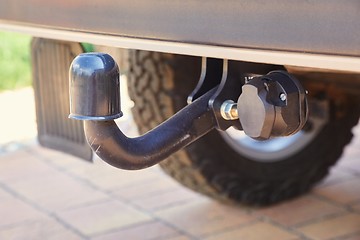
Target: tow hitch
x=271, y=105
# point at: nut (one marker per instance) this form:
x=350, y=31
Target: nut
x=229, y=110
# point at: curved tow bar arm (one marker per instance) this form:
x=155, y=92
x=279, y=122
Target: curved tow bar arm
x=95, y=98
x=272, y=105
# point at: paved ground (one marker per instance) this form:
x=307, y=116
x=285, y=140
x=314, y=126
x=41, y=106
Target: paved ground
x=49, y=195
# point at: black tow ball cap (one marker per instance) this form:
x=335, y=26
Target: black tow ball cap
x=94, y=88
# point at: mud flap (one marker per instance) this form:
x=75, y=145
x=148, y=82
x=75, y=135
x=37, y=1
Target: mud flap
x=50, y=65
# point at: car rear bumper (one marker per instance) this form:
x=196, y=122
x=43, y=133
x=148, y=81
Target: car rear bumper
x=322, y=34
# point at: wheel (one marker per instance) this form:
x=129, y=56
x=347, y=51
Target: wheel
x=228, y=166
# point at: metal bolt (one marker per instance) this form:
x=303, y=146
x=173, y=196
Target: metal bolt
x=229, y=110
x=283, y=97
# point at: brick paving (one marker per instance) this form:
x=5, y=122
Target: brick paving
x=49, y=195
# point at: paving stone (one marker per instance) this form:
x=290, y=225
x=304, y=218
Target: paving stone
x=165, y=199
x=350, y=160
x=103, y=217
x=109, y=178
x=58, y=159
x=11, y=147
x=156, y=186
x=13, y=211
x=57, y=191
x=146, y=231
x=355, y=236
x=22, y=165
x=356, y=206
x=38, y=229
x=344, y=192
x=256, y=231
x=179, y=237
x=335, y=176
x=79, y=201
x=300, y=210
x=333, y=228
x=351, y=164
x=84, y=170
x=204, y=217
x=5, y=196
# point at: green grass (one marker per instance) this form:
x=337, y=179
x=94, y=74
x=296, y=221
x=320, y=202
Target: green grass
x=14, y=61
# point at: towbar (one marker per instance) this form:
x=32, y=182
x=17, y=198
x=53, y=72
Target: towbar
x=94, y=91
x=271, y=105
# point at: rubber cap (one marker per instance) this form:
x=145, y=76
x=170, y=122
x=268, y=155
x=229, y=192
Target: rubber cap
x=94, y=88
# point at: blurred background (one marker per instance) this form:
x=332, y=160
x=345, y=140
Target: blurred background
x=14, y=61
x=49, y=195
x=15, y=91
